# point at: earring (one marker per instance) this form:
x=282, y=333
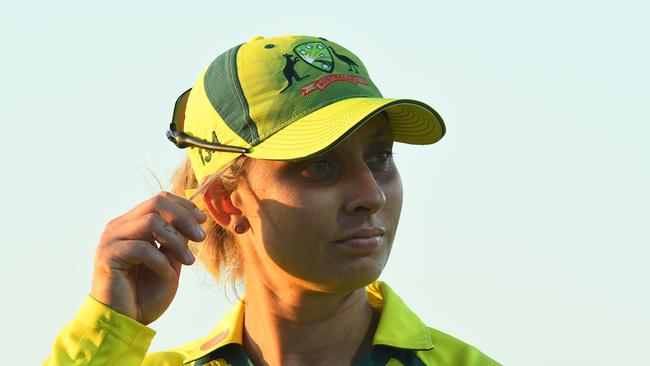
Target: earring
x=240, y=228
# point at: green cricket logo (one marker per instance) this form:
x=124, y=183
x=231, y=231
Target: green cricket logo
x=318, y=56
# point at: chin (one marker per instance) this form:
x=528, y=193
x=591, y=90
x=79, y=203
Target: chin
x=347, y=277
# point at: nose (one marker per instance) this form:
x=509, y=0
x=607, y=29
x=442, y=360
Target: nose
x=365, y=195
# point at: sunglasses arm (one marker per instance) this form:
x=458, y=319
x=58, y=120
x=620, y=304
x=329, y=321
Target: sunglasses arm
x=183, y=140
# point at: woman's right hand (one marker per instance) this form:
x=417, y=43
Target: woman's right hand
x=131, y=274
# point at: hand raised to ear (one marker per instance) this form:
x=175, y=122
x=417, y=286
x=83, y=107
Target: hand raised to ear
x=132, y=273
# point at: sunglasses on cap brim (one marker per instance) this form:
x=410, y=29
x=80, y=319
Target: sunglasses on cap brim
x=183, y=140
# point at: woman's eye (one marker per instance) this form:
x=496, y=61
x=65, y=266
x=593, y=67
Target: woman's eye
x=382, y=157
x=321, y=166
x=320, y=169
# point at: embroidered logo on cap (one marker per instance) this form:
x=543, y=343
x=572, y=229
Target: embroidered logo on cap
x=321, y=57
x=316, y=55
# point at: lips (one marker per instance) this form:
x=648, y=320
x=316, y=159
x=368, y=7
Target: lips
x=362, y=241
x=360, y=234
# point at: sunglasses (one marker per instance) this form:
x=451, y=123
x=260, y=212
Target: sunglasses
x=183, y=140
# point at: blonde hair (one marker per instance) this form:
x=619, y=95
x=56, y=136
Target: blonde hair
x=218, y=252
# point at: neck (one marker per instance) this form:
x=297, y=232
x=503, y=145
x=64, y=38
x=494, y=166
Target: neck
x=291, y=326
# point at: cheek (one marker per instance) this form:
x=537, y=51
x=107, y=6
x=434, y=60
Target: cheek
x=394, y=197
x=292, y=234
x=292, y=222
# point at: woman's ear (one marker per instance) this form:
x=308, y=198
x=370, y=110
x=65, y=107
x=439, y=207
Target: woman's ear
x=219, y=204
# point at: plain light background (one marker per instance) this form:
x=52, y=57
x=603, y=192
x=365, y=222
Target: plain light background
x=524, y=231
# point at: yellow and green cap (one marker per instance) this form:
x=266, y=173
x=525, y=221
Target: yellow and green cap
x=287, y=98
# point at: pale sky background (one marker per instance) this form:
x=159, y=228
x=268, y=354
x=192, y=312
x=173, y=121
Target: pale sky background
x=524, y=231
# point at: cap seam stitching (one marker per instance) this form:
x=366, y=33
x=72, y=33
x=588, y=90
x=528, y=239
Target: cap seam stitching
x=241, y=104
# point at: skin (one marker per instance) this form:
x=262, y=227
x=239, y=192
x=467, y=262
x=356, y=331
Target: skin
x=305, y=253
x=133, y=276
x=305, y=297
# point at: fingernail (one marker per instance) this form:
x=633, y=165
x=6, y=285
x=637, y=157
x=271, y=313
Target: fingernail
x=189, y=256
x=200, y=214
x=199, y=232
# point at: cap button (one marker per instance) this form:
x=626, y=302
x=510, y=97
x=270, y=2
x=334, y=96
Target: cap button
x=256, y=38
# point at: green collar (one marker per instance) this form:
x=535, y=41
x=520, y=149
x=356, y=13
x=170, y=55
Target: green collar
x=398, y=326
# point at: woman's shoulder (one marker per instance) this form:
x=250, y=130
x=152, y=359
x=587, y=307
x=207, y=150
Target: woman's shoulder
x=449, y=350
x=182, y=355
x=401, y=329
x=213, y=349
x=165, y=358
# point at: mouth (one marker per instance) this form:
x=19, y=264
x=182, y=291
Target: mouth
x=365, y=239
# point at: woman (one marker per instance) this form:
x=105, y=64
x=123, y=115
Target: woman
x=297, y=196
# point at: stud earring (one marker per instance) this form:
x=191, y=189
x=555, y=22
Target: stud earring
x=240, y=228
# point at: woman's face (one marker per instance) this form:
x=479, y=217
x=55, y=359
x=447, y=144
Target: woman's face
x=327, y=223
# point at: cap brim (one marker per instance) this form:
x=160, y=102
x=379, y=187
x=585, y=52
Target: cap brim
x=412, y=122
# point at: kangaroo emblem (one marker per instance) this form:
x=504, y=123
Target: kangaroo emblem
x=352, y=66
x=289, y=71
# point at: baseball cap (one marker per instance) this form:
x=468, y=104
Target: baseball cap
x=286, y=98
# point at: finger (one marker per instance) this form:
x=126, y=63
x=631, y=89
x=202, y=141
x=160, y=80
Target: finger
x=174, y=243
x=176, y=265
x=170, y=211
x=178, y=217
x=151, y=227
x=129, y=253
x=164, y=197
x=187, y=204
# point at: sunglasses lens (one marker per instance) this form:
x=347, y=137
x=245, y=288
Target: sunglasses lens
x=179, y=138
x=178, y=119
